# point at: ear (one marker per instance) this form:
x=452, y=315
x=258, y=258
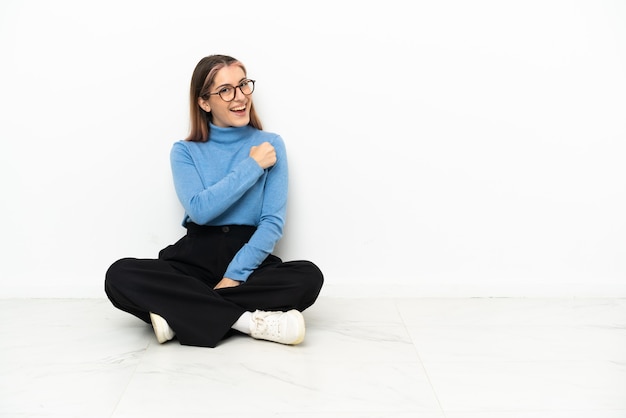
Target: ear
x=204, y=104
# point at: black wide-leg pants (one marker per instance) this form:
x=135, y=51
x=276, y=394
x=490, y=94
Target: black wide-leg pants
x=179, y=284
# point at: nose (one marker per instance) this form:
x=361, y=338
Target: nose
x=239, y=93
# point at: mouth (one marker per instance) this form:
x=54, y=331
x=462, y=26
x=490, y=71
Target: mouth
x=238, y=109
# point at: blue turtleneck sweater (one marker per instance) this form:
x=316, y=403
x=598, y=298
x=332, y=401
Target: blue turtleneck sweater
x=218, y=183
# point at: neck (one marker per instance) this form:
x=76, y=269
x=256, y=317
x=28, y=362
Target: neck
x=228, y=134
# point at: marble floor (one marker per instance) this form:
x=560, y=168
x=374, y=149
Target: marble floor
x=430, y=358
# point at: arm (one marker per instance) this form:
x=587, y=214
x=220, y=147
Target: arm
x=271, y=220
x=205, y=202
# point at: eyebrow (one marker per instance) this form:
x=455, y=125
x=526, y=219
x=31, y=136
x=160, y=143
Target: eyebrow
x=224, y=85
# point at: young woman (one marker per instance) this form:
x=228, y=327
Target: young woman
x=231, y=178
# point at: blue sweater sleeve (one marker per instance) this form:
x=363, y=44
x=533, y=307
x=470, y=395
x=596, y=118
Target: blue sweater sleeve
x=271, y=221
x=203, y=202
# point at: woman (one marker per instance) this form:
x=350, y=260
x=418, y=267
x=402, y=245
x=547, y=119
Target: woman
x=231, y=178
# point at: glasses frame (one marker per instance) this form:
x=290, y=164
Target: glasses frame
x=246, y=81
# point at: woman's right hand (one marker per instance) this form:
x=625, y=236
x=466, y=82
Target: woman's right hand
x=226, y=282
x=264, y=155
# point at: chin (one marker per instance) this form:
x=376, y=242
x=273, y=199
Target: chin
x=241, y=122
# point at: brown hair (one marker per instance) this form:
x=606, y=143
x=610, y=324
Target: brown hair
x=201, y=80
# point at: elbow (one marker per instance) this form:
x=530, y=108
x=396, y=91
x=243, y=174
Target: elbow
x=198, y=220
x=197, y=214
x=274, y=224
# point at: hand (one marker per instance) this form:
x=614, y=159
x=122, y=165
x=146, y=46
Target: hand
x=264, y=155
x=226, y=282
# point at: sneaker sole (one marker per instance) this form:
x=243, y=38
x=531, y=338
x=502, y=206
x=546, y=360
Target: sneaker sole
x=301, y=326
x=160, y=328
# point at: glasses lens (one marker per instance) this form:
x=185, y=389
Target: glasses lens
x=247, y=87
x=227, y=93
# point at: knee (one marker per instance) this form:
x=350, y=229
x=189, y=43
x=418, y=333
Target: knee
x=117, y=271
x=313, y=275
x=311, y=281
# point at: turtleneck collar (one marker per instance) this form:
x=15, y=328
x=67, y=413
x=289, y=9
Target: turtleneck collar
x=229, y=134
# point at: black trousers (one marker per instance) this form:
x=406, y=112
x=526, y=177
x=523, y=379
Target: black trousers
x=179, y=284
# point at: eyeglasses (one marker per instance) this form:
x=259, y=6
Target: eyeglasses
x=228, y=92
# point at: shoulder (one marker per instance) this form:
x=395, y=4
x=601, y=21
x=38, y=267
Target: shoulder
x=186, y=146
x=273, y=138
x=266, y=135
x=183, y=144
x=180, y=147
x=183, y=149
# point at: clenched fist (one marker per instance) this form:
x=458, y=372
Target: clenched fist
x=264, y=155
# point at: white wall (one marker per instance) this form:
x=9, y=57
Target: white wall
x=464, y=148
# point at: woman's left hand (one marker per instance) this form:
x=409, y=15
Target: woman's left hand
x=226, y=282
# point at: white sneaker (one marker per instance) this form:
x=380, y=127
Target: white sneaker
x=280, y=327
x=161, y=328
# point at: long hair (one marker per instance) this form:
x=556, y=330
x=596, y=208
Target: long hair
x=201, y=81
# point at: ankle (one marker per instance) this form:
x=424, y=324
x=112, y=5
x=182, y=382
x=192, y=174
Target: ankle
x=244, y=323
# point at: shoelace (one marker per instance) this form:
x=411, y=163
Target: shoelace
x=265, y=325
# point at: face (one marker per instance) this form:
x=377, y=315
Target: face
x=228, y=114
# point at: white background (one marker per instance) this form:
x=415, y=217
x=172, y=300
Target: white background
x=440, y=148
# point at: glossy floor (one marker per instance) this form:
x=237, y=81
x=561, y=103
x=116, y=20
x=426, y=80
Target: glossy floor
x=490, y=358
